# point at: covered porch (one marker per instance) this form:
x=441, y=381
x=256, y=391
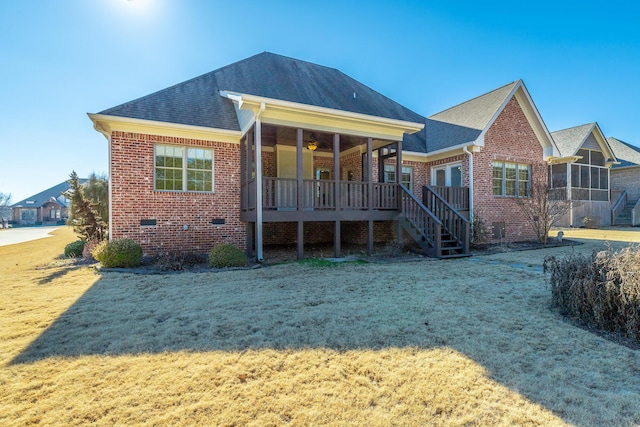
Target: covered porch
x=307, y=175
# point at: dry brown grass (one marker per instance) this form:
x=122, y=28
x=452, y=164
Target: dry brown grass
x=463, y=342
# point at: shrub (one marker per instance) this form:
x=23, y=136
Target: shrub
x=74, y=249
x=602, y=290
x=118, y=253
x=178, y=261
x=227, y=255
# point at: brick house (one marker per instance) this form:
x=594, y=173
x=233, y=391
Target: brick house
x=45, y=208
x=625, y=183
x=338, y=162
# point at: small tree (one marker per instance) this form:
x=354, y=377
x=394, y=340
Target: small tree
x=96, y=189
x=5, y=210
x=84, y=216
x=543, y=208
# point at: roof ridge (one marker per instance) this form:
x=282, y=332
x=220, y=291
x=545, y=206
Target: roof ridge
x=475, y=97
x=575, y=127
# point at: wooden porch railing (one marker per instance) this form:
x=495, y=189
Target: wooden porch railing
x=618, y=206
x=635, y=218
x=458, y=197
x=424, y=221
x=453, y=221
x=320, y=194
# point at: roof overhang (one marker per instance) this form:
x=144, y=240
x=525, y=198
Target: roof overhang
x=292, y=114
x=106, y=125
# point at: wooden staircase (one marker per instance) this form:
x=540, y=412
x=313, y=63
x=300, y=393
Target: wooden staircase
x=625, y=216
x=440, y=231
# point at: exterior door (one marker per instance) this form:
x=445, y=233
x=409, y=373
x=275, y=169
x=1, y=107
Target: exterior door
x=447, y=175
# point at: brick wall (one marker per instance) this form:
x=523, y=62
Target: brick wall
x=626, y=179
x=134, y=198
x=509, y=139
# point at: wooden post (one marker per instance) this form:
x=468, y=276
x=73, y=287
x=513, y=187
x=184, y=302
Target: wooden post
x=249, y=232
x=300, y=191
x=399, y=232
x=300, y=245
x=336, y=193
x=370, y=194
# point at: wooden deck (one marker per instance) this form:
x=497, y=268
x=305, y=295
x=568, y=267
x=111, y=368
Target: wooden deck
x=320, y=200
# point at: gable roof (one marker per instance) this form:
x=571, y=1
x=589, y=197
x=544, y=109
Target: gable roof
x=627, y=154
x=465, y=122
x=45, y=196
x=197, y=102
x=570, y=140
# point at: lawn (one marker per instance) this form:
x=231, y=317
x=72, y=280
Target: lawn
x=457, y=342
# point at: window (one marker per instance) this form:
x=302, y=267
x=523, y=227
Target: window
x=407, y=175
x=590, y=176
x=183, y=168
x=511, y=179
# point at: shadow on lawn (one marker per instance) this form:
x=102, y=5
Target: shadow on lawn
x=510, y=332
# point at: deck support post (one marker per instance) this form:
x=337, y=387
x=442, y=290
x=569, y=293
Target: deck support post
x=258, y=151
x=336, y=183
x=399, y=232
x=370, y=194
x=300, y=192
x=300, y=240
x=249, y=232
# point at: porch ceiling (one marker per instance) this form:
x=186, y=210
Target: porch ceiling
x=283, y=135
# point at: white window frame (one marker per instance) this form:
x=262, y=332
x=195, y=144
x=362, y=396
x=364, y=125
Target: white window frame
x=405, y=169
x=185, y=149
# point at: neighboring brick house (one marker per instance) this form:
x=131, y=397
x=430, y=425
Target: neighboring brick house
x=581, y=174
x=184, y=174
x=625, y=183
x=45, y=208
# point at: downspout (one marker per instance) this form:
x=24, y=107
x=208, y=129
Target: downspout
x=470, y=154
x=258, y=165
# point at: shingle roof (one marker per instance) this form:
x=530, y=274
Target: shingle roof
x=465, y=122
x=569, y=140
x=198, y=102
x=43, y=197
x=627, y=154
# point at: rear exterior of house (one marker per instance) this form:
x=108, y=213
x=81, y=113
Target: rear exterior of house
x=272, y=150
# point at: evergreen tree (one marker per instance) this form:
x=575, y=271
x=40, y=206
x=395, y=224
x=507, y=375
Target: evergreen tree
x=84, y=215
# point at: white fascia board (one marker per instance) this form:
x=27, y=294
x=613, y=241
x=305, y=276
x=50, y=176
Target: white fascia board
x=604, y=144
x=106, y=124
x=473, y=146
x=408, y=127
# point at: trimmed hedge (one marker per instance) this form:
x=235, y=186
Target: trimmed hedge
x=74, y=249
x=226, y=255
x=601, y=290
x=118, y=253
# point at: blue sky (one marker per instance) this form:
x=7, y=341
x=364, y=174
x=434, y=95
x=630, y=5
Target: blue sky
x=62, y=59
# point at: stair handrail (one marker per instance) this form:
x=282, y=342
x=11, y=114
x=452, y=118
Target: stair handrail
x=618, y=206
x=432, y=236
x=454, y=222
x=633, y=214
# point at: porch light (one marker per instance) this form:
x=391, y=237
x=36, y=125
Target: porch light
x=312, y=145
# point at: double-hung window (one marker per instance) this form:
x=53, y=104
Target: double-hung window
x=407, y=175
x=511, y=179
x=183, y=168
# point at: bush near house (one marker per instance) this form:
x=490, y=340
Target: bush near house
x=226, y=255
x=118, y=253
x=601, y=290
x=74, y=249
